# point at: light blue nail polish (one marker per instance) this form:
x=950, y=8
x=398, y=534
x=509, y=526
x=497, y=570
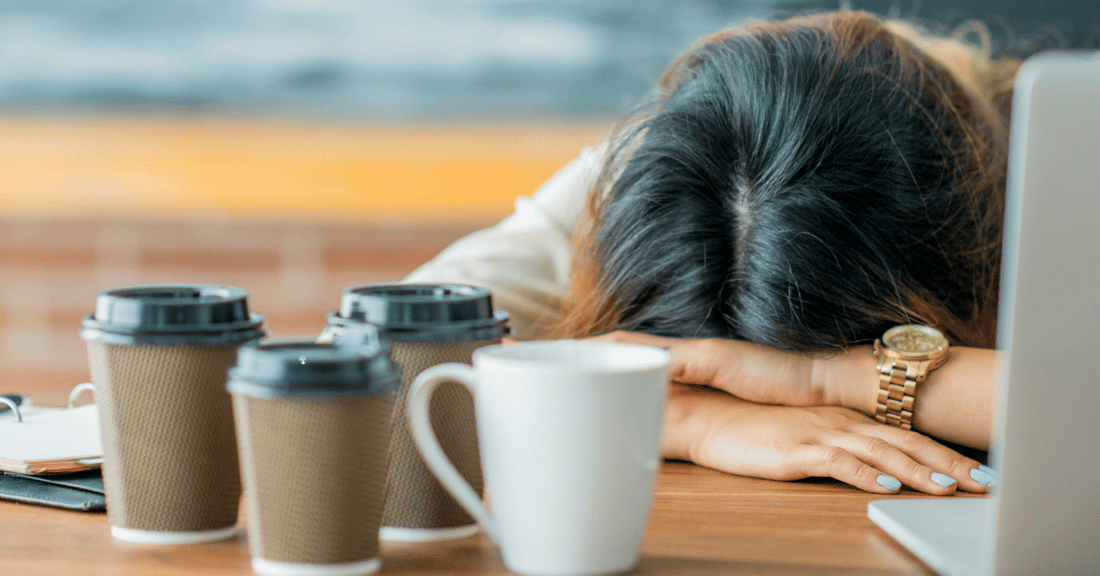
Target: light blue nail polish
x=989, y=471
x=943, y=479
x=982, y=477
x=888, y=482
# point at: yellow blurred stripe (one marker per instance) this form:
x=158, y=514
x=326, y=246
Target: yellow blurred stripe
x=153, y=167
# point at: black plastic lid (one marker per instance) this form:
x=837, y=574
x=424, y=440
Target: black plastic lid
x=309, y=369
x=173, y=314
x=417, y=311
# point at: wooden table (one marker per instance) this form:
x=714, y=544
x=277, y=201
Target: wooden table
x=703, y=522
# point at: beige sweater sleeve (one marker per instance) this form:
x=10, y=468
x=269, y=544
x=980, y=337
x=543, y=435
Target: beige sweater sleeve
x=524, y=259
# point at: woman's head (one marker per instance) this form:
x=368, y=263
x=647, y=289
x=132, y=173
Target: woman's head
x=804, y=184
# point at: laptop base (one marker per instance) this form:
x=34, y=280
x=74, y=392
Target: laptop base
x=947, y=534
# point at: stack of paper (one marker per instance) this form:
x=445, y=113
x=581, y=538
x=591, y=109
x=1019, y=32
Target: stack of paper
x=51, y=441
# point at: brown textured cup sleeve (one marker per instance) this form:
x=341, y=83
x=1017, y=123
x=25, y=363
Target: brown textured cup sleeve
x=170, y=457
x=314, y=473
x=414, y=498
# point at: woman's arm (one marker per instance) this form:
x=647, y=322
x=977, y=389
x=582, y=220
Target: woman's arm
x=714, y=429
x=954, y=403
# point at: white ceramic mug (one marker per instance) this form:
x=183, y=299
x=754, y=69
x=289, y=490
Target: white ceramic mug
x=569, y=438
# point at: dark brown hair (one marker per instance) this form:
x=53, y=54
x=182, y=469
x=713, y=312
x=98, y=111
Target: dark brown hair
x=805, y=184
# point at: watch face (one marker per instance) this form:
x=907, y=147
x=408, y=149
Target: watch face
x=915, y=340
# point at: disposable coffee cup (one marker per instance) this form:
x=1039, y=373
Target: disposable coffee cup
x=158, y=357
x=422, y=326
x=313, y=427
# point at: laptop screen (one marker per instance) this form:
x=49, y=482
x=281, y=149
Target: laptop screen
x=1047, y=424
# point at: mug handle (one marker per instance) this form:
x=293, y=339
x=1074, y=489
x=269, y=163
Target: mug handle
x=79, y=389
x=417, y=404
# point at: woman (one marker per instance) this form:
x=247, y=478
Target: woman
x=795, y=189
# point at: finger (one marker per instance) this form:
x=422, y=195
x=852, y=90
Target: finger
x=835, y=462
x=970, y=475
x=884, y=456
x=639, y=338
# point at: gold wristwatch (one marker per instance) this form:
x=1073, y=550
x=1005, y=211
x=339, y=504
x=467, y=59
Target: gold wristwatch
x=906, y=354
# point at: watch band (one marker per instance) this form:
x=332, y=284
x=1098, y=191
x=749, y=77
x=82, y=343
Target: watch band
x=897, y=386
x=905, y=354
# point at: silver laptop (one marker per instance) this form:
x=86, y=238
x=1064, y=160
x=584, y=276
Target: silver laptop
x=1044, y=516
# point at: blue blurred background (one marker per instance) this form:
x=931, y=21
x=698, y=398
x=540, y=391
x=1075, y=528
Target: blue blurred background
x=373, y=60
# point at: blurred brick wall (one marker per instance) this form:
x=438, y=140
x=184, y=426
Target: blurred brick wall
x=52, y=270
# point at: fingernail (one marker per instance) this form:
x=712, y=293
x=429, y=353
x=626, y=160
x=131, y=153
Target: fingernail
x=989, y=471
x=982, y=477
x=943, y=479
x=888, y=482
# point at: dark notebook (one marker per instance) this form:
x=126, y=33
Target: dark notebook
x=76, y=491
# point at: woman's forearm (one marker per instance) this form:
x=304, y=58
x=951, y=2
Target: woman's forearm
x=954, y=403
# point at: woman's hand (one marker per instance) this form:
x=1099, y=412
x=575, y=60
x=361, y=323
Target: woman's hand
x=713, y=429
